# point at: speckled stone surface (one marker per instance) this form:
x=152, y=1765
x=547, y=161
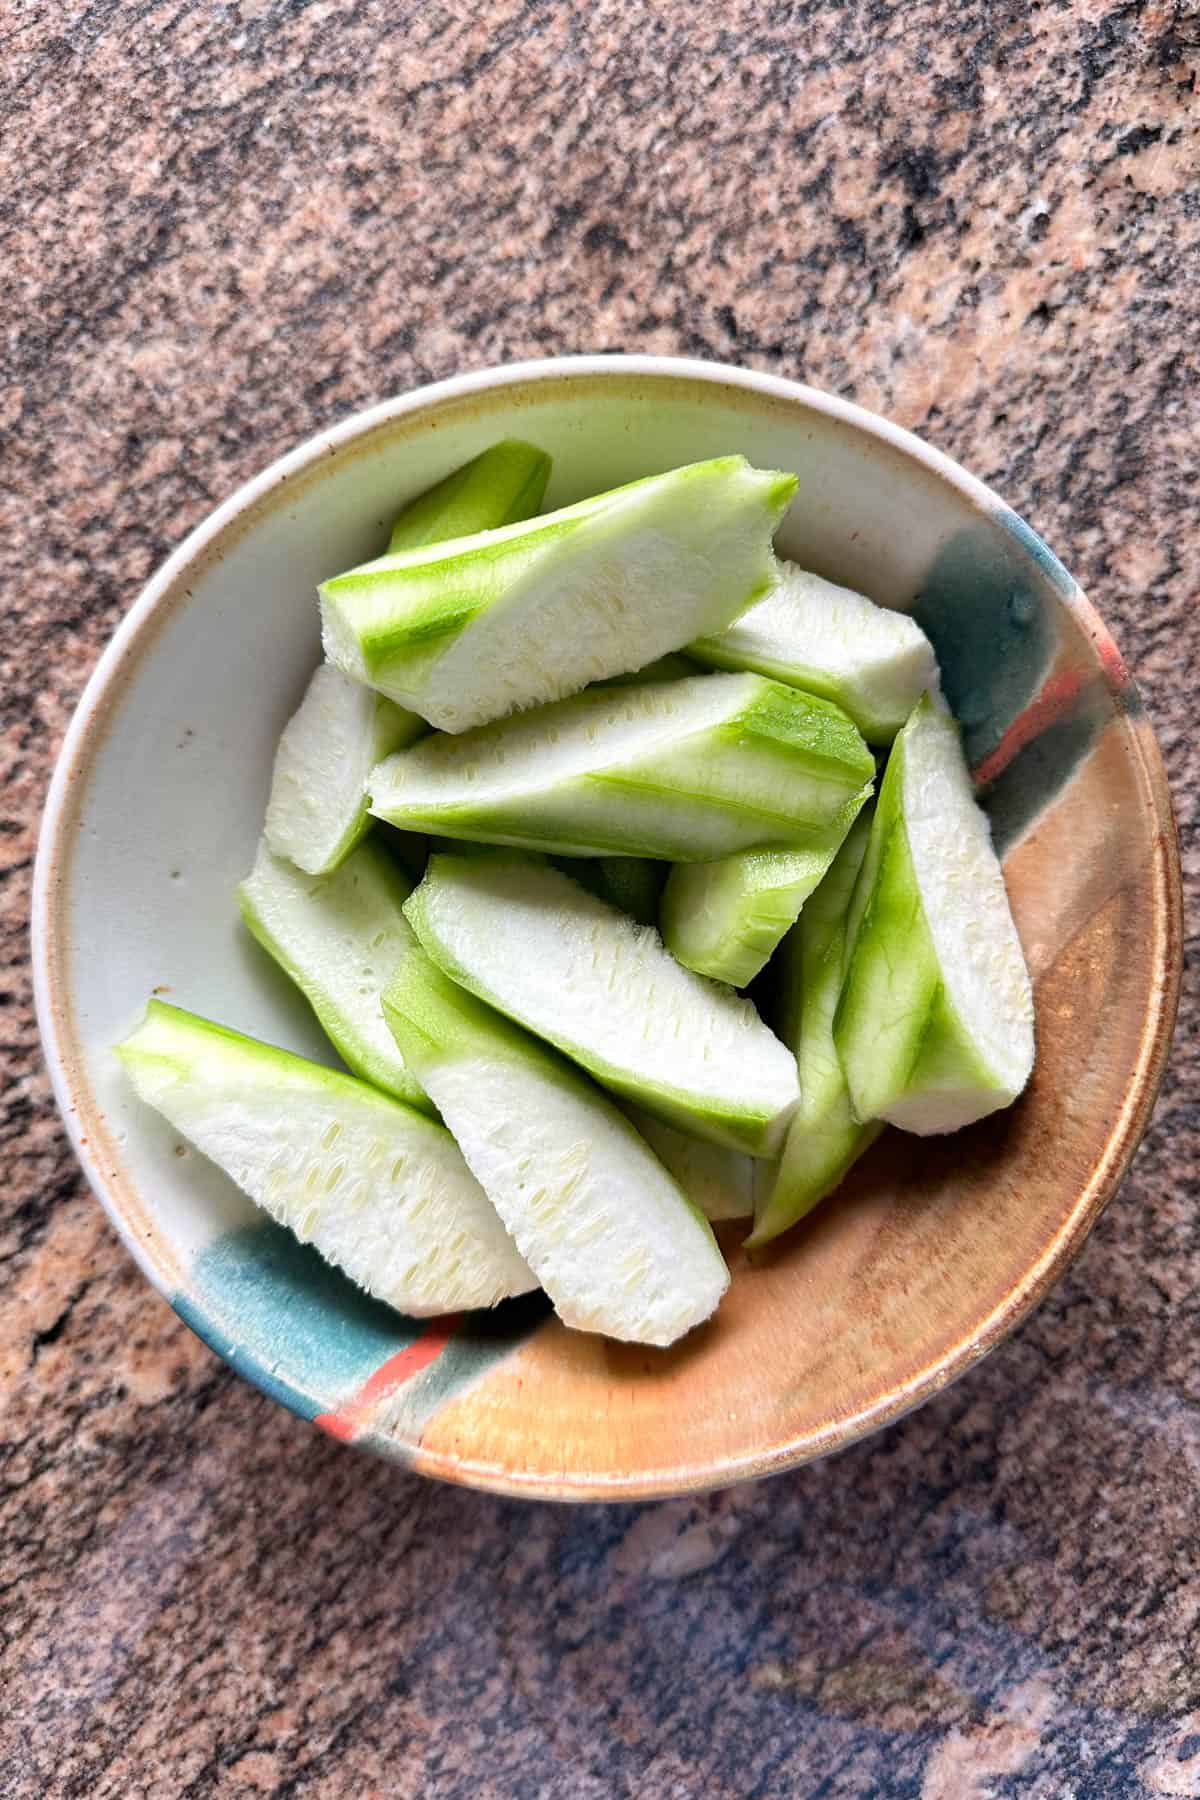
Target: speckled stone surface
x=223, y=225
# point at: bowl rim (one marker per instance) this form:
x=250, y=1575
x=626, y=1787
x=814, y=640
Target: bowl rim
x=65, y=1062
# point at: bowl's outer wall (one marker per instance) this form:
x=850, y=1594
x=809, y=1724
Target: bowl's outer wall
x=932, y=1250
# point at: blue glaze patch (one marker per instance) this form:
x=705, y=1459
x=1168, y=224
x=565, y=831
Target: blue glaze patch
x=1130, y=699
x=1038, y=549
x=992, y=626
x=295, y=1327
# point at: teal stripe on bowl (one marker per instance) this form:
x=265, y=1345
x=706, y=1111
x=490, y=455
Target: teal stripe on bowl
x=986, y=612
x=1038, y=549
x=281, y=1316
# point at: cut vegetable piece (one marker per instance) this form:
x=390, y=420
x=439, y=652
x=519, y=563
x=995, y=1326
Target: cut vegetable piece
x=614, y=1242
x=872, y=662
x=824, y=1137
x=531, y=942
x=317, y=811
x=470, y=630
x=682, y=770
x=378, y=1189
x=502, y=486
x=339, y=937
x=935, y=1023
x=725, y=918
x=718, y=1180
x=633, y=884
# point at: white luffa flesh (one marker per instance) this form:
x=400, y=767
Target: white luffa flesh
x=593, y=1212
x=720, y=1181
x=478, y=627
x=379, y=1189
x=584, y=976
x=317, y=809
x=871, y=661
x=339, y=936
x=681, y=770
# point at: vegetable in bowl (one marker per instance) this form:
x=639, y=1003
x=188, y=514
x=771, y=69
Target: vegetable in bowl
x=497, y=665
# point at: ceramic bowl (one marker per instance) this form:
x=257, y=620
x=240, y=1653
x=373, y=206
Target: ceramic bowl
x=932, y=1251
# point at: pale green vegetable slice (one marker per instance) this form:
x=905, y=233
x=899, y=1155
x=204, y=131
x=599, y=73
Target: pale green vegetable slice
x=725, y=918
x=470, y=630
x=720, y=1181
x=935, y=1022
x=380, y=1190
x=872, y=662
x=339, y=936
x=532, y=943
x=613, y=1240
x=317, y=811
x=502, y=486
x=824, y=1137
x=682, y=770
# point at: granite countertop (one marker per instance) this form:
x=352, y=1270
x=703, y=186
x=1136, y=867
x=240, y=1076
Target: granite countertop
x=223, y=225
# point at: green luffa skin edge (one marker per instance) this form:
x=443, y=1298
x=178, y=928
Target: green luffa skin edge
x=764, y=766
x=504, y=485
x=907, y=1054
x=376, y=1187
x=612, y=1237
x=725, y=919
x=824, y=1138
x=338, y=936
x=459, y=913
x=520, y=616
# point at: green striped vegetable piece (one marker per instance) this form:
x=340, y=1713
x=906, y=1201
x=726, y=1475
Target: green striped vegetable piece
x=532, y=943
x=726, y=918
x=686, y=771
x=934, y=1026
x=379, y=1189
x=470, y=630
x=502, y=486
x=339, y=936
x=317, y=811
x=612, y=1238
x=872, y=662
x=824, y=1137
